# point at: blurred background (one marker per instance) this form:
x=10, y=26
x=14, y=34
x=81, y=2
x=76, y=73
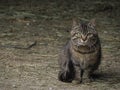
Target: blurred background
x=61, y=9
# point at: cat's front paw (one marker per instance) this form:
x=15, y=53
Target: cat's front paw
x=75, y=82
x=79, y=81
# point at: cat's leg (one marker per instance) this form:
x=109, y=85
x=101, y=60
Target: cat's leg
x=88, y=75
x=78, y=75
x=90, y=72
x=81, y=74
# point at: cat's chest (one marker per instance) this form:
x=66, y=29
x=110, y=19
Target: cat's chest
x=83, y=58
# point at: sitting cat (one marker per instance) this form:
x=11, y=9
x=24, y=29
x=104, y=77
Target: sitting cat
x=81, y=56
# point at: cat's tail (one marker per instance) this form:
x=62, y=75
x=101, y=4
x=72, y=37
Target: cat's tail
x=66, y=76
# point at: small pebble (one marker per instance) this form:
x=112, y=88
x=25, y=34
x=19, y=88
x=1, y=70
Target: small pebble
x=27, y=24
x=50, y=88
x=105, y=32
x=14, y=86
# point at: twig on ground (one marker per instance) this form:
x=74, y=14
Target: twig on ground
x=20, y=47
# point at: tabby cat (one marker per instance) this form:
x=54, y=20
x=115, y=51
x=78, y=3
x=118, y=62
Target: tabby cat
x=81, y=56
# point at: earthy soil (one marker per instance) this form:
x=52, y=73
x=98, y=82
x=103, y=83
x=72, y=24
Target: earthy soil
x=32, y=32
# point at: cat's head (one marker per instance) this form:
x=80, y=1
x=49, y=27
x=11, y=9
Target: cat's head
x=84, y=34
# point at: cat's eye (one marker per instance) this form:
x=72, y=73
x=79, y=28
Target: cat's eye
x=77, y=34
x=90, y=35
x=74, y=37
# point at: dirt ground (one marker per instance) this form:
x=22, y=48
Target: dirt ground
x=32, y=33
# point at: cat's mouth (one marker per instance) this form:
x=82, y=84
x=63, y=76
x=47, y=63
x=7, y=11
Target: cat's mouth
x=83, y=48
x=86, y=44
x=81, y=44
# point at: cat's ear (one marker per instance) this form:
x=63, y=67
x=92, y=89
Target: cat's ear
x=75, y=23
x=92, y=22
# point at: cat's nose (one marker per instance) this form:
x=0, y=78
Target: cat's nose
x=84, y=38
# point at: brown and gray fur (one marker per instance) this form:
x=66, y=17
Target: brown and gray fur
x=81, y=56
